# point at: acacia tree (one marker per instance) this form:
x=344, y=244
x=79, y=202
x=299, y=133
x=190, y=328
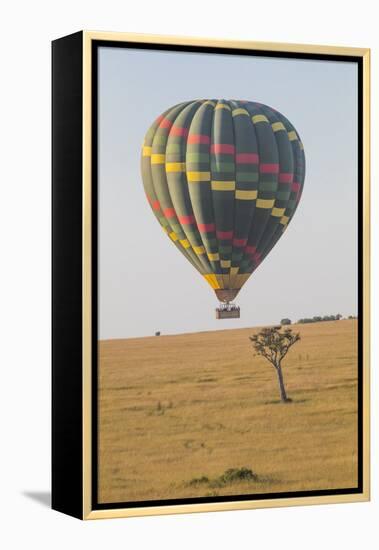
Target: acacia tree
x=273, y=344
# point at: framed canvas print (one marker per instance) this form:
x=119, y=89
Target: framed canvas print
x=210, y=275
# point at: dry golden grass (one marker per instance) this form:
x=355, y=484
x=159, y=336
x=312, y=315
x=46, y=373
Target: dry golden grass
x=176, y=408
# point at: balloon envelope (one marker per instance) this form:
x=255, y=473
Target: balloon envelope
x=223, y=178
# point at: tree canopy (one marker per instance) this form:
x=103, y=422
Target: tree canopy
x=273, y=344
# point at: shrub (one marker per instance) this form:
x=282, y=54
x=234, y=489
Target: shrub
x=232, y=475
x=238, y=474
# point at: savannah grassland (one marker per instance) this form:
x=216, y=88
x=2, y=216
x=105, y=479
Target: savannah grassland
x=176, y=412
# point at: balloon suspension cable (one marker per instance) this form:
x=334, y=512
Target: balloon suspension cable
x=228, y=310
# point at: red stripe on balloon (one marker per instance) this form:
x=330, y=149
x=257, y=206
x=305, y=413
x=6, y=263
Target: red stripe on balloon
x=169, y=213
x=295, y=186
x=177, y=131
x=247, y=158
x=224, y=148
x=186, y=220
x=205, y=227
x=199, y=138
x=155, y=205
x=239, y=242
x=251, y=249
x=224, y=235
x=285, y=177
x=269, y=168
x=165, y=123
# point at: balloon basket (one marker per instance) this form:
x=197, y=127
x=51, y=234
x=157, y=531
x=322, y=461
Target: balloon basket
x=228, y=311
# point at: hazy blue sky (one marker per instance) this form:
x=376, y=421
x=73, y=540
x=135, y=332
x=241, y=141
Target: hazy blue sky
x=145, y=284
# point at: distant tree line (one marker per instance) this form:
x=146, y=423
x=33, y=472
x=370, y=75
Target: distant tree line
x=316, y=319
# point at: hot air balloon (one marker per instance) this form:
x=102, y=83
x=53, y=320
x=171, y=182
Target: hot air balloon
x=224, y=179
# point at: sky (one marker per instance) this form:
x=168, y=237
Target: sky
x=145, y=284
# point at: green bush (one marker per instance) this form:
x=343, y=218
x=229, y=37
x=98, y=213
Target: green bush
x=238, y=474
x=232, y=475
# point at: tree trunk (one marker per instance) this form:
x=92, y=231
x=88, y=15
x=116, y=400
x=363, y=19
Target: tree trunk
x=283, y=394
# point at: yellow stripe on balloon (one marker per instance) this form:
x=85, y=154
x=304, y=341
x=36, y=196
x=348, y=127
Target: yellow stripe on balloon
x=146, y=151
x=259, y=118
x=240, y=111
x=158, y=159
x=223, y=185
x=223, y=106
x=175, y=167
x=173, y=236
x=213, y=257
x=265, y=203
x=284, y=220
x=278, y=212
x=198, y=176
x=185, y=243
x=292, y=136
x=225, y=263
x=199, y=250
x=277, y=126
x=246, y=195
x=212, y=280
x=219, y=283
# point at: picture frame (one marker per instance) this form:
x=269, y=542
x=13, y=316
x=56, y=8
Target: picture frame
x=76, y=137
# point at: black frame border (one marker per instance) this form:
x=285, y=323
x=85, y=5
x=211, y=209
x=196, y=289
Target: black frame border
x=67, y=254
